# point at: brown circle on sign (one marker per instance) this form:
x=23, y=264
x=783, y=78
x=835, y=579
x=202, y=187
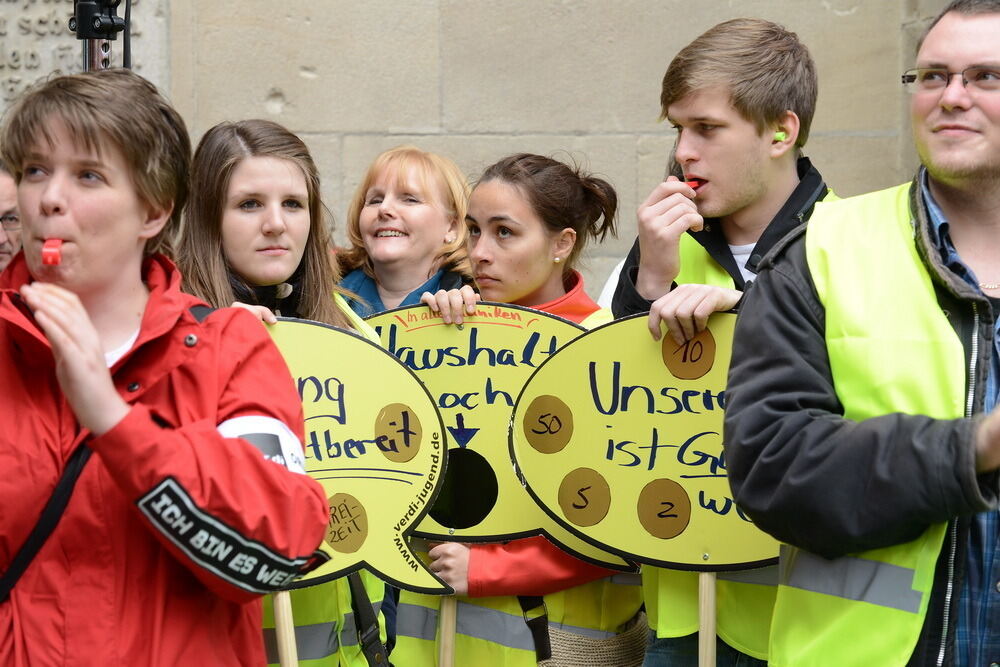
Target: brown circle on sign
x=691, y=360
x=348, y=527
x=548, y=424
x=664, y=508
x=585, y=497
x=398, y=432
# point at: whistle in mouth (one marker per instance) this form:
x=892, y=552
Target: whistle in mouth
x=52, y=252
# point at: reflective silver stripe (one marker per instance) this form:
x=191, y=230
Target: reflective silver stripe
x=313, y=642
x=316, y=641
x=860, y=579
x=764, y=576
x=416, y=621
x=478, y=622
x=349, y=635
x=626, y=579
x=494, y=626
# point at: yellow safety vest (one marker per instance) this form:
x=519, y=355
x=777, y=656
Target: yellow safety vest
x=891, y=349
x=698, y=267
x=597, y=318
x=325, y=630
x=744, y=600
x=492, y=630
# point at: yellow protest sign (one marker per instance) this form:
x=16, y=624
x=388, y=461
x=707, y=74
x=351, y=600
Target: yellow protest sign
x=619, y=438
x=374, y=441
x=474, y=374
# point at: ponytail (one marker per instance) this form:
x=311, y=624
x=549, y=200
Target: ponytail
x=562, y=196
x=604, y=205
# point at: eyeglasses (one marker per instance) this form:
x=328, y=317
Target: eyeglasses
x=927, y=79
x=10, y=222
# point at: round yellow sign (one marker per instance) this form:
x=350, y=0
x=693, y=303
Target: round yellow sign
x=619, y=438
x=375, y=441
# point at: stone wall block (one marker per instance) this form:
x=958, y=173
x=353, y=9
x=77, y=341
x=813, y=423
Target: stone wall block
x=334, y=66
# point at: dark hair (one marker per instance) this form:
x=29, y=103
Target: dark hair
x=967, y=7
x=562, y=196
x=116, y=106
x=207, y=273
x=765, y=67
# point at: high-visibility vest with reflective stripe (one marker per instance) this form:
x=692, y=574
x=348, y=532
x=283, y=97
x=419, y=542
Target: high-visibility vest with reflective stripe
x=891, y=349
x=325, y=630
x=744, y=600
x=492, y=630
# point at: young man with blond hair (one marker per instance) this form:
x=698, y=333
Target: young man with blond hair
x=861, y=418
x=741, y=97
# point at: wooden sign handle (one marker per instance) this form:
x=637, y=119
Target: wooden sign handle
x=284, y=629
x=706, y=619
x=447, y=621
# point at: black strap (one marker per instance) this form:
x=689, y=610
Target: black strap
x=47, y=522
x=366, y=622
x=538, y=625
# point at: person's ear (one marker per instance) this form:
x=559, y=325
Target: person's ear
x=156, y=218
x=452, y=233
x=784, y=134
x=563, y=244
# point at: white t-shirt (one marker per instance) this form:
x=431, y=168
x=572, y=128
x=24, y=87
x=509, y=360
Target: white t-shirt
x=741, y=253
x=112, y=356
x=608, y=291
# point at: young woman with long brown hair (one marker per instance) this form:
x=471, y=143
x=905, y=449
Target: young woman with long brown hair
x=255, y=235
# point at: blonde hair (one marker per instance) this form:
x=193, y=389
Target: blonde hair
x=207, y=273
x=438, y=177
x=109, y=106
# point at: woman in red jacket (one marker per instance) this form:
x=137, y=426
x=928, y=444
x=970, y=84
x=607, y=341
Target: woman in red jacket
x=178, y=521
x=529, y=219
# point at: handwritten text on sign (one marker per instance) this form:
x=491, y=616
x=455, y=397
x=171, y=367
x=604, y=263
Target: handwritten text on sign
x=378, y=452
x=475, y=374
x=620, y=439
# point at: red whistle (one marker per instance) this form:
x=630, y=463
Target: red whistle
x=52, y=252
x=691, y=184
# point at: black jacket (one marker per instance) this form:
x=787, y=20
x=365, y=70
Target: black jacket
x=820, y=482
x=797, y=209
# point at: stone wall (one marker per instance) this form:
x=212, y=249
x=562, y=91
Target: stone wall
x=35, y=41
x=478, y=79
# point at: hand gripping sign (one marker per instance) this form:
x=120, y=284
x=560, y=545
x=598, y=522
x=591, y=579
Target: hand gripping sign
x=474, y=374
x=374, y=441
x=619, y=439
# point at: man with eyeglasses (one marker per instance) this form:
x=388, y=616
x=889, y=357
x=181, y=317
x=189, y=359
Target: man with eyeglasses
x=10, y=223
x=861, y=420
